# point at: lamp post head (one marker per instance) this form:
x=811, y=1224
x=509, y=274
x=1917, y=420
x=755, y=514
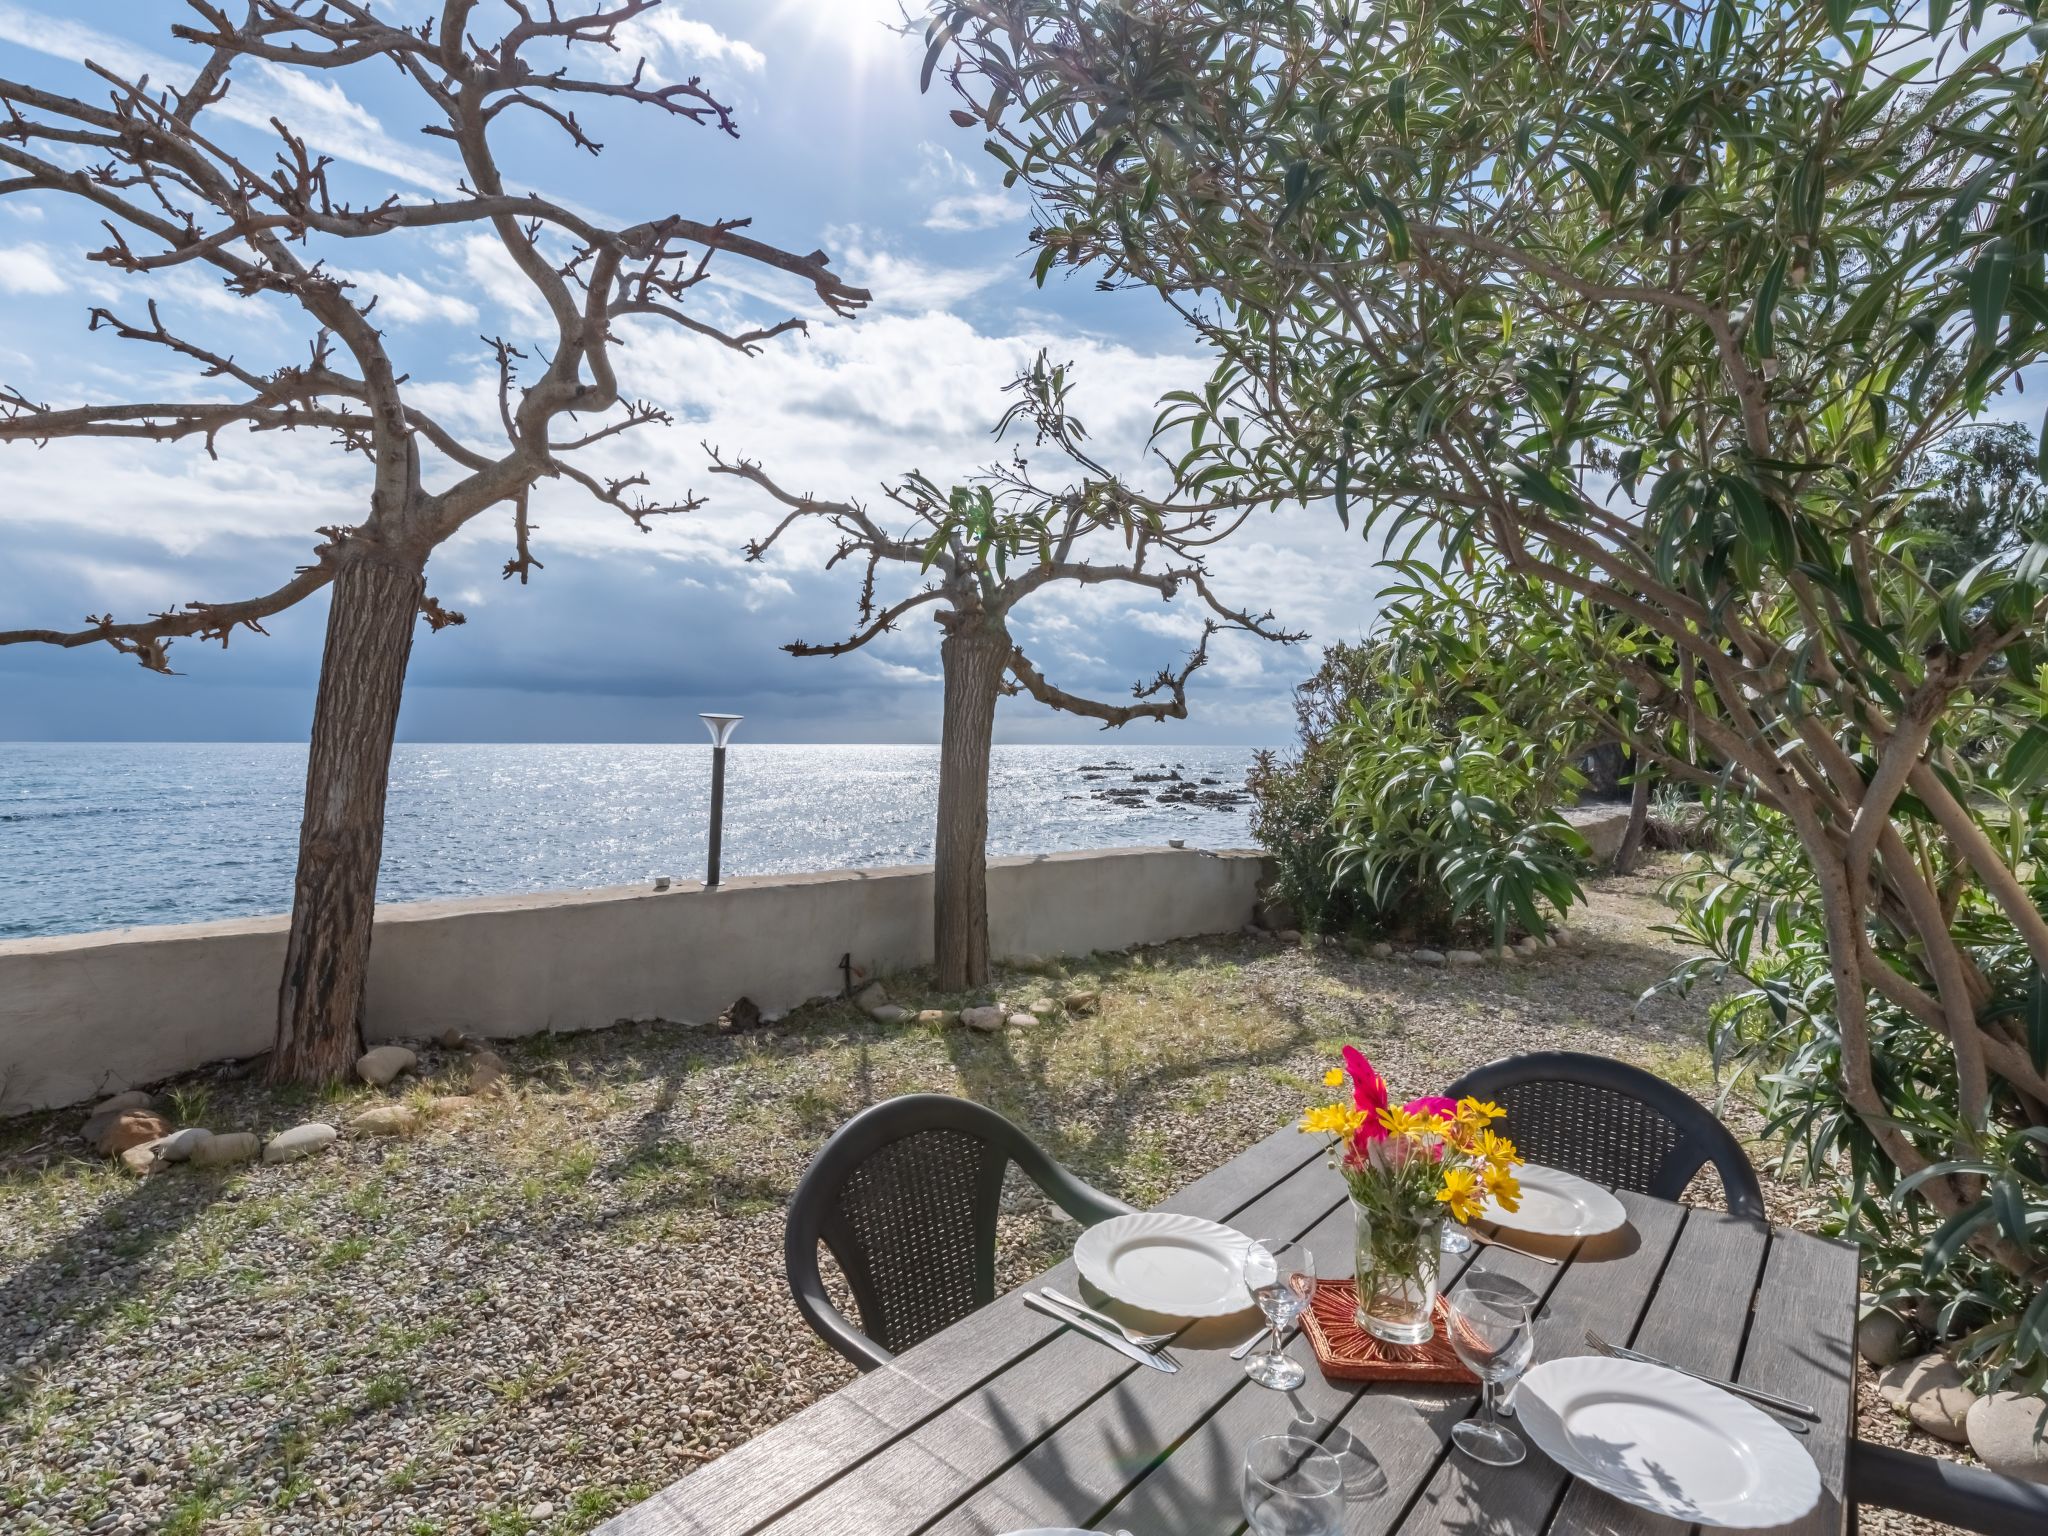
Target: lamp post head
x=721, y=727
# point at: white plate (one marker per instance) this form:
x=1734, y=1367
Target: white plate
x=1557, y=1204
x=1667, y=1443
x=1165, y=1262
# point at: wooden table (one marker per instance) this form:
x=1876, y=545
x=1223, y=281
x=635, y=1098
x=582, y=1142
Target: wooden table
x=1007, y=1420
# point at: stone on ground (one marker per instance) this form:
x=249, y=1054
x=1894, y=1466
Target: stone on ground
x=870, y=997
x=2009, y=1433
x=140, y=1161
x=1930, y=1392
x=889, y=1013
x=451, y=1104
x=1883, y=1337
x=987, y=1020
x=1043, y=1007
x=486, y=1070
x=219, y=1151
x=940, y=1016
x=1021, y=1020
x=117, y=1130
x=386, y=1120
x=179, y=1146
x=1380, y=950
x=1079, y=1003
x=381, y=1067
x=134, y=1098
x=300, y=1141
x=745, y=1013
x=1426, y=956
x=1461, y=957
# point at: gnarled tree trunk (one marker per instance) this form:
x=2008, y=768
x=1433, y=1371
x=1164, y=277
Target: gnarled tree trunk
x=1631, y=847
x=973, y=657
x=370, y=623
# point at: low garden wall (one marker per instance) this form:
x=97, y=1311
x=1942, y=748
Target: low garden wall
x=91, y=1014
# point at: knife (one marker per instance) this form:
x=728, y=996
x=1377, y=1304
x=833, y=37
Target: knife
x=1101, y=1335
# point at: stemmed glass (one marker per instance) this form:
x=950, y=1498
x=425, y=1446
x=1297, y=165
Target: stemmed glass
x=1282, y=1278
x=1292, y=1487
x=1494, y=1334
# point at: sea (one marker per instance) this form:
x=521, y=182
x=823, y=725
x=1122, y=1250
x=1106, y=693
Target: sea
x=99, y=836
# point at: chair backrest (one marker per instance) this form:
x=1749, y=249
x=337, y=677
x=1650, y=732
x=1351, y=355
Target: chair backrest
x=905, y=1196
x=1613, y=1123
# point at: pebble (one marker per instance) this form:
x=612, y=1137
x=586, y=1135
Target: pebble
x=1462, y=957
x=937, y=1016
x=1021, y=1020
x=889, y=1013
x=2009, y=1433
x=987, y=1020
x=1426, y=956
x=220, y=1150
x=1043, y=1007
x=386, y=1120
x=300, y=1141
x=381, y=1067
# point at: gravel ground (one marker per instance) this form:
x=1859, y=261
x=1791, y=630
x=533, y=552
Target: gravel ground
x=525, y=1318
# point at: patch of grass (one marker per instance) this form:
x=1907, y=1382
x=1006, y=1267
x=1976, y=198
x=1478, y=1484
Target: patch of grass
x=345, y=1251
x=386, y=1389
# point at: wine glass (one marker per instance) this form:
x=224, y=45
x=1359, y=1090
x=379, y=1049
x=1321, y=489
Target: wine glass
x=1494, y=1333
x=1455, y=1238
x=1292, y=1487
x=1282, y=1278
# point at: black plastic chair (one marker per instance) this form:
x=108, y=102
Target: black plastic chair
x=1946, y=1492
x=1613, y=1123
x=905, y=1195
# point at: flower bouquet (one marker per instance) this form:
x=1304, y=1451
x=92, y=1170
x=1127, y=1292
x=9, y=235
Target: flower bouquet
x=1407, y=1168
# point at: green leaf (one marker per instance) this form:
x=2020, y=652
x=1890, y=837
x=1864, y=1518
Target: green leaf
x=1990, y=280
x=2026, y=761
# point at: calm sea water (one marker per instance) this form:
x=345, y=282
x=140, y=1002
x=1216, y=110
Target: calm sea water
x=108, y=836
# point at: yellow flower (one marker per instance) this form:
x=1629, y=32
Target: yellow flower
x=1332, y=1120
x=1476, y=1113
x=1400, y=1123
x=1461, y=1193
x=1495, y=1150
x=1334, y=1078
x=1502, y=1185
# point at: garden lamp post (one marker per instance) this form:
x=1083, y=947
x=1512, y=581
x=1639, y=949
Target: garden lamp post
x=721, y=728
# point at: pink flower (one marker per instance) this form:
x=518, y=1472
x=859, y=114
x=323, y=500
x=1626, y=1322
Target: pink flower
x=1368, y=1092
x=1442, y=1108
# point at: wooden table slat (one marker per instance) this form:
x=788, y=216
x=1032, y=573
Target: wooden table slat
x=1059, y=1388
x=1697, y=1319
x=1601, y=1288
x=753, y=1483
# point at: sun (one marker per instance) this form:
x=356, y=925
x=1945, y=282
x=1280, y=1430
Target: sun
x=860, y=31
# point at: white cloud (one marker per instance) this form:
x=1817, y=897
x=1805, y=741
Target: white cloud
x=964, y=202
x=407, y=299
x=29, y=269
x=669, y=40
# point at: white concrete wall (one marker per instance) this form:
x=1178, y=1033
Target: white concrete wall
x=92, y=1014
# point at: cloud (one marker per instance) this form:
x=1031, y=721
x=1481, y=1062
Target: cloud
x=28, y=269
x=669, y=40
x=964, y=203
x=408, y=300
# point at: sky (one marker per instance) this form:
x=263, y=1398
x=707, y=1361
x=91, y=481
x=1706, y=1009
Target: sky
x=623, y=636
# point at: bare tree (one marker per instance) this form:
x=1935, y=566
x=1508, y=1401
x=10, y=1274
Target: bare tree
x=984, y=547
x=172, y=194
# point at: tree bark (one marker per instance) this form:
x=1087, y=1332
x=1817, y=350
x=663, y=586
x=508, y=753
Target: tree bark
x=370, y=624
x=972, y=657
x=1638, y=816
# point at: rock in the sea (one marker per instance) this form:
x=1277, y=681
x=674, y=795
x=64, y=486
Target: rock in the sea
x=939, y=1016
x=889, y=1013
x=1426, y=956
x=2009, y=1433
x=486, y=1070
x=134, y=1098
x=1021, y=1020
x=1930, y=1392
x=386, y=1120
x=1461, y=957
x=1079, y=1003
x=1883, y=1337
x=300, y=1141
x=117, y=1130
x=381, y=1067
x=987, y=1020
x=219, y=1151
x=872, y=996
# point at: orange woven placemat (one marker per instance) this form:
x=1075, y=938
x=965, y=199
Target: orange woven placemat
x=1347, y=1352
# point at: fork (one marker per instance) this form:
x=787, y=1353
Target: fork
x=1153, y=1341
x=1784, y=1406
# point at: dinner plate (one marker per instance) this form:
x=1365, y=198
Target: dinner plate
x=1557, y=1204
x=1165, y=1262
x=1666, y=1442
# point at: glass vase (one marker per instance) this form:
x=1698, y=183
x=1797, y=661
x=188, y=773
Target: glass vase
x=1398, y=1263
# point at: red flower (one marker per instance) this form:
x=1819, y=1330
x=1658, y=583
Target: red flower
x=1369, y=1093
x=1442, y=1108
